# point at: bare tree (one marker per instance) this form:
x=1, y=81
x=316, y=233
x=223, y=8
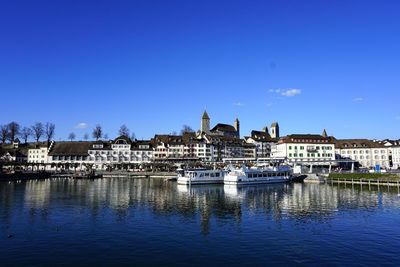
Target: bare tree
x=186, y=129
x=72, y=136
x=26, y=132
x=124, y=131
x=97, y=132
x=50, y=131
x=38, y=131
x=3, y=133
x=133, y=136
x=13, y=130
x=86, y=136
x=105, y=136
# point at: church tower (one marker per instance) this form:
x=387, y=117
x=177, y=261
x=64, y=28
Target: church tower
x=205, y=123
x=237, y=127
x=275, y=130
x=324, y=133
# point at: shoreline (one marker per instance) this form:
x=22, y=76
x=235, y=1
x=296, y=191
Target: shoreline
x=47, y=175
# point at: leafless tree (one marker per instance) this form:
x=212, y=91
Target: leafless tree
x=13, y=130
x=97, y=132
x=133, y=136
x=86, y=136
x=72, y=136
x=50, y=131
x=3, y=133
x=186, y=129
x=106, y=136
x=38, y=131
x=26, y=132
x=124, y=131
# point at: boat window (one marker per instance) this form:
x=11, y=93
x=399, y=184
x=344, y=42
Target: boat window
x=207, y=175
x=217, y=174
x=250, y=175
x=265, y=175
x=260, y=175
x=201, y=175
x=212, y=175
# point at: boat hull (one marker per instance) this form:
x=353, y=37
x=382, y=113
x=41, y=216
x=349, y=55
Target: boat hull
x=186, y=181
x=244, y=181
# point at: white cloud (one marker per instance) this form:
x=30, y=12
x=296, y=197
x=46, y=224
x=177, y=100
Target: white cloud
x=359, y=99
x=238, y=104
x=286, y=92
x=82, y=125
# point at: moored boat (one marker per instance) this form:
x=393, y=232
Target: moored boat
x=201, y=176
x=244, y=175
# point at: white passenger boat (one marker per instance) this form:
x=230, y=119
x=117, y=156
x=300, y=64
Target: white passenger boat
x=264, y=175
x=201, y=176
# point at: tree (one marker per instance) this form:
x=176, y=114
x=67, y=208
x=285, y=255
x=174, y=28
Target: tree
x=13, y=130
x=124, y=131
x=72, y=136
x=50, y=131
x=133, y=136
x=3, y=133
x=26, y=132
x=97, y=132
x=186, y=129
x=38, y=131
x=106, y=136
x=86, y=136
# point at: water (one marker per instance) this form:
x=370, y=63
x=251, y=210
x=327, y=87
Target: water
x=150, y=222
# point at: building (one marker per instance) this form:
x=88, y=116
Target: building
x=275, y=130
x=262, y=141
x=39, y=153
x=220, y=129
x=366, y=152
x=120, y=151
x=67, y=155
x=298, y=148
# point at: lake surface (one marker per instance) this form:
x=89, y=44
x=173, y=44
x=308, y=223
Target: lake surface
x=151, y=222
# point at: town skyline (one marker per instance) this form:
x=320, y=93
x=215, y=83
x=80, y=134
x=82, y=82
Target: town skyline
x=310, y=66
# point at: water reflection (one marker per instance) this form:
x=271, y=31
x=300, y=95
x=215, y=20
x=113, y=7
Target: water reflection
x=162, y=198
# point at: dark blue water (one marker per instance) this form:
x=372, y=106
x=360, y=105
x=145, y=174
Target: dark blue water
x=143, y=222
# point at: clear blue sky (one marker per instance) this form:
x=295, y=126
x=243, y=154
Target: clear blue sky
x=155, y=65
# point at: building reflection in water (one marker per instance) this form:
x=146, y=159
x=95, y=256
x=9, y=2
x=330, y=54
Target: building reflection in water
x=224, y=204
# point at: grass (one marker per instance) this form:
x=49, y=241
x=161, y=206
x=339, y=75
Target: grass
x=365, y=176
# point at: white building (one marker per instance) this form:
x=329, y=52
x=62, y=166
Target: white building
x=39, y=154
x=121, y=151
x=395, y=153
x=367, y=152
x=297, y=148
